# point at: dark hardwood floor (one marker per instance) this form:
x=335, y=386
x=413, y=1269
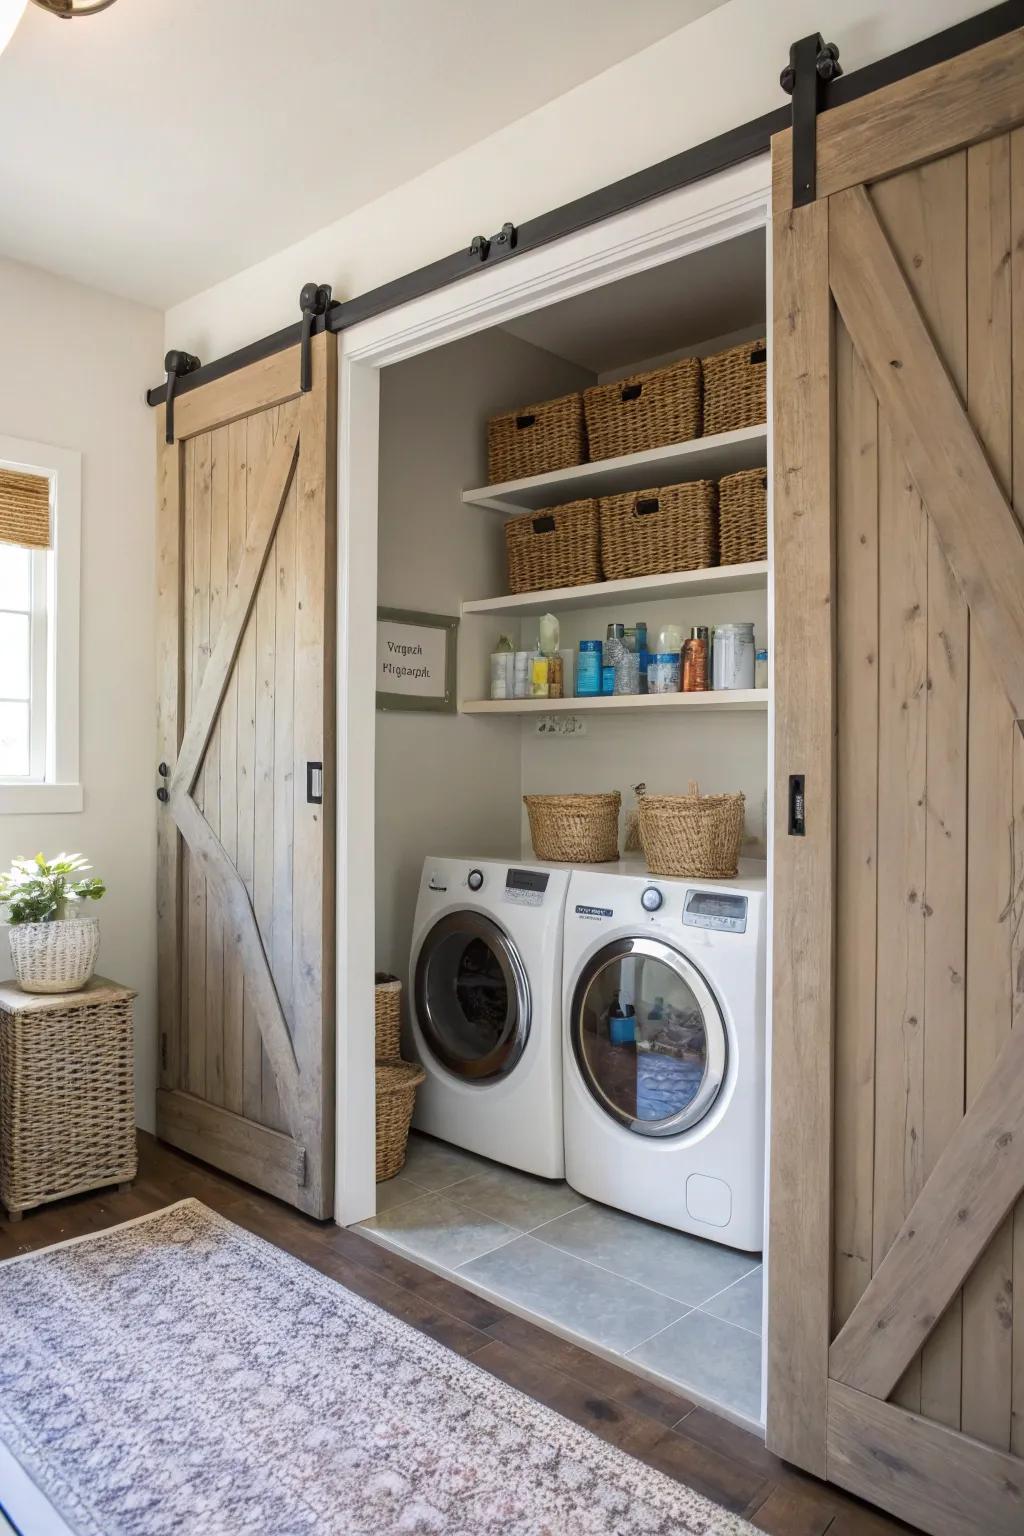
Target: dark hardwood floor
x=660, y=1427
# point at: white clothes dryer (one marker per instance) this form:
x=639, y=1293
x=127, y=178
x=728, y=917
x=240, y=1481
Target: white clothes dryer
x=485, y=991
x=664, y=1048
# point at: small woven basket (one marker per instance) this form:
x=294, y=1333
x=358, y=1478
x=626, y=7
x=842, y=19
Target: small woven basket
x=743, y=517
x=674, y=528
x=646, y=410
x=397, y=1082
x=735, y=388
x=574, y=829
x=387, y=1016
x=555, y=547
x=694, y=836
x=536, y=439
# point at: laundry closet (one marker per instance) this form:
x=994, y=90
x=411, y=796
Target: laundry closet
x=617, y=1242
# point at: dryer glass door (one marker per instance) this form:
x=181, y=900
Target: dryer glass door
x=648, y=1037
x=472, y=996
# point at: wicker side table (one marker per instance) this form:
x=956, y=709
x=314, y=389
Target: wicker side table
x=67, y=1092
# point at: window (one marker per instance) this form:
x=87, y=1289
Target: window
x=39, y=575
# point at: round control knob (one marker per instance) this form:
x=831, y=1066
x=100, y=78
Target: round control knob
x=651, y=899
x=475, y=879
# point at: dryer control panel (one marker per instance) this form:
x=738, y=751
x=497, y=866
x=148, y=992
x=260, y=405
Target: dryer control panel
x=715, y=909
x=526, y=887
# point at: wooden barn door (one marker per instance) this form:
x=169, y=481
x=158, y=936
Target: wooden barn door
x=896, y=1338
x=246, y=854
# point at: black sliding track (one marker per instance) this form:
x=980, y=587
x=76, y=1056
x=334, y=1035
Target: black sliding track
x=691, y=165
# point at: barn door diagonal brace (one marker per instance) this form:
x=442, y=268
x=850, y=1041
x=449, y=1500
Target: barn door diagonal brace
x=812, y=64
x=313, y=302
x=177, y=364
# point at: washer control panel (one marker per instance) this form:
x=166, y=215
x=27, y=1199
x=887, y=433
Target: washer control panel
x=715, y=909
x=526, y=887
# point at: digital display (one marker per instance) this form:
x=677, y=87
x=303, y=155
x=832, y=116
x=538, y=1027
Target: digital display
x=526, y=880
x=711, y=904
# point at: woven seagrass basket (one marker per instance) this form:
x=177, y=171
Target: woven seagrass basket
x=574, y=829
x=555, y=547
x=694, y=836
x=387, y=1016
x=536, y=439
x=743, y=517
x=735, y=388
x=646, y=410
x=674, y=528
x=397, y=1082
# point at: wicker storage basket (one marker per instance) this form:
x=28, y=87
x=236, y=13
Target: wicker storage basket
x=67, y=1092
x=743, y=517
x=555, y=547
x=387, y=1016
x=646, y=410
x=734, y=388
x=535, y=439
x=696, y=836
x=580, y=829
x=397, y=1082
x=672, y=529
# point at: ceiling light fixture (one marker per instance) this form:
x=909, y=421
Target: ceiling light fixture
x=66, y=10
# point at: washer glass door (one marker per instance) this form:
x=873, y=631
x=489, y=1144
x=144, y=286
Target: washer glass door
x=472, y=996
x=648, y=1036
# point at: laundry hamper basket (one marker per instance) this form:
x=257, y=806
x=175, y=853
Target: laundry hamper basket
x=574, y=829
x=694, y=836
x=387, y=1016
x=397, y=1082
x=647, y=410
x=673, y=528
x=735, y=388
x=535, y=439
x=743, y=517
x=555, y=547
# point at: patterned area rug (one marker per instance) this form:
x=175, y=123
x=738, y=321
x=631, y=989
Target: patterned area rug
x=178, y=1374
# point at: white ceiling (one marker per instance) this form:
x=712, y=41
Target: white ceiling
x=712, y=293
x=165, y=144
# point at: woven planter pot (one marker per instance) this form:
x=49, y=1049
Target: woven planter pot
x=55, y=957
x=574, y=829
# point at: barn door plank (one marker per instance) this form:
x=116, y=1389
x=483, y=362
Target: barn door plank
x=973, y=519
x=231, y=774
x=976, y=1180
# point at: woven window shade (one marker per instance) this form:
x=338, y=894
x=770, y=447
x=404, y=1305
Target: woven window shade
x=24, y=509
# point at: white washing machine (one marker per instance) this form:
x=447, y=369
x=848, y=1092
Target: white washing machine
x=485, y=980
x=664, y=1055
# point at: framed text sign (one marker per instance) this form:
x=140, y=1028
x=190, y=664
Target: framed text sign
x=416, y=660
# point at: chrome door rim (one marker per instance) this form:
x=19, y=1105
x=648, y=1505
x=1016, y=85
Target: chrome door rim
x=711, y=1013
x=503, y=1058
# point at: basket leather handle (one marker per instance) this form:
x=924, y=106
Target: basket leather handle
x=543, y=525
x=759, y=355
x=644, y=505
x=524, y=421
x=631, y=391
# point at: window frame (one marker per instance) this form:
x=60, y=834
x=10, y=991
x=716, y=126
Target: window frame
x=54, y=784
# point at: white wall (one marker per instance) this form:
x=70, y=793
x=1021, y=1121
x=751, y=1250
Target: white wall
x=446, y=784
x=720, y=71
x=74, y=364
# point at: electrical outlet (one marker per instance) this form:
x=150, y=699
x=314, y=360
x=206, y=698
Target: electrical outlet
x=561, y=725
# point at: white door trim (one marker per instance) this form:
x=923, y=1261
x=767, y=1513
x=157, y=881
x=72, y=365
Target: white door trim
x=705, y=213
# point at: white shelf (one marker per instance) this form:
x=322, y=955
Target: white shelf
x=752, y=577
x=703, y=458
x=726, y=700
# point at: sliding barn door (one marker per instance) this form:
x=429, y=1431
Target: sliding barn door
x=896, y=1340
x=246, y=850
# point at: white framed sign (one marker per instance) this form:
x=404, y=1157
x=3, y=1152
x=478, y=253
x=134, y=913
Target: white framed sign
x=416, y=660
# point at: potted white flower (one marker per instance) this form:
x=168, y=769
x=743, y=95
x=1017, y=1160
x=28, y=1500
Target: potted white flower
x=54, y=949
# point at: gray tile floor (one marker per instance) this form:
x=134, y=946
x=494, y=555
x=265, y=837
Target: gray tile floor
x=675, y=1305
